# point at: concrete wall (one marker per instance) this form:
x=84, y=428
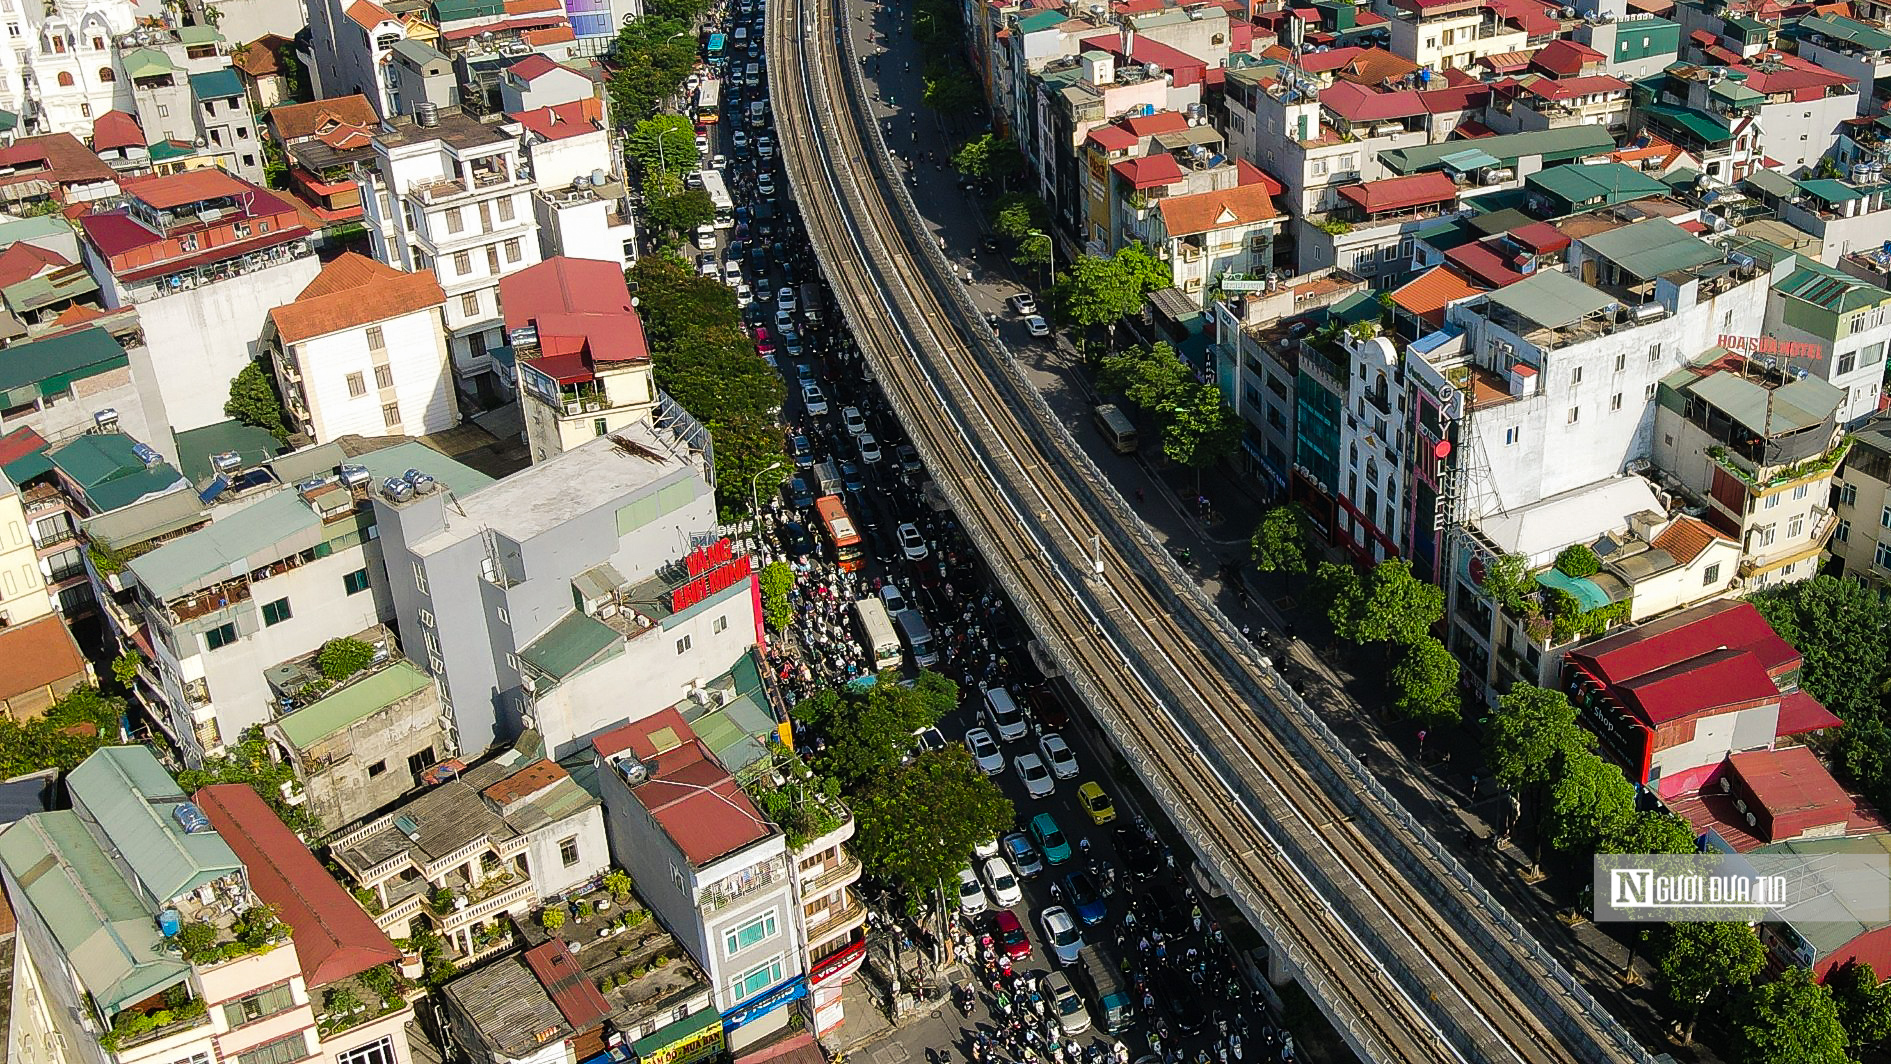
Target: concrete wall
x=346, y=790
x=1797, y=134
x=585, y=230
x=23, y=594
x=550, y=874
x=557, y=163
x=417, y=356
x=1688, y=584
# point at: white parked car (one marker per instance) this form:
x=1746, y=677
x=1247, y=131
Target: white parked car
x=702, y=144
x=813, y=398
x=705, y=238
x=895, y=601
x=1004, y=715
x=784, y=320
x=870, y=452
x=912, y=544
x=765, y=184
x=988, y=848
x=1037, y=326
x=784, y=299
x=738, y=138
x=1037, y=779
x=708, y=268
x=719, y=162
x=971, y=893
x=984, y=749
x=851, y=420
x=1056, y=753
x=1001, y=882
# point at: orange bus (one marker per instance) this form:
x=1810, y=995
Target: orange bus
x=843, y=540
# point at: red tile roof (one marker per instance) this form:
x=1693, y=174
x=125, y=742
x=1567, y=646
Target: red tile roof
x=689, y=794
x=334, y=938
x=528, y=7
x=1712, y=625
x=1717, y=680
x=1801, y=713
x=1428, y=294
x=1541, y=238
x=1374, y=66
x=18, y=444
x=1566, y=88
x=1505, y=62
x=1794, y=791
x=1224, y=209
x=297, y=121
x=116, y=129
x=1145, y=49
x=1112, y=138
x=1397, y=193
x=1328, y=61
x=580, y=1003
x=1775, y=71
x=1150, y=125
x=354, y=290
x=1150, y=171
x=165, y=191
x=533, y=67
x=1469, y=97
x=579, y=306
x=1249, y=174
x=22, y=260
x=565, y=120
x=259, y=58
x=367, y=14
x=539, y=38
x=1565, y=58
x=1356, y=103
x=55, y=157
x=1484, y=262
x=526, y=782
x=1686, y=538
x=37, y=654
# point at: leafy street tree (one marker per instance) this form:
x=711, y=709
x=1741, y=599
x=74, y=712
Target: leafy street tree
x=1590, y=801
x=255, y=401
x=989, y=157
x=868, y=731
x=1700, y=960
x=664, y=144
x=1149, y=377
x=688, y=12
x=677, y=213
x=1016, y=215
x=949, y=88
x=70, y=730
x=1424, y=683
x=653, y=55
x=777, y=579
x=1337, y=589
x=1199, y=428
x=1650, y=831
x=1864, y=1003
x=1393, y=606
x=1507, y=578
x=916, y=823
x=1095, y=291
x=1532, y=733
x=675, y=303
x=1145, y=271
x=1791, y=1020
x=1279, y=544
x=1839, y=626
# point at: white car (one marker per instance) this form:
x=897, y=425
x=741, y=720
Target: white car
x=1056, y=753
x=988, y=848
x=719, y=162
x=1001, y=882
x=739, y=139
x=1037, y=779
x=744, y=295
x=1060, y=934
x=765, y=184
x=765, y=146
x=813, y=398
x=702, y=144
x=1004, y=715
x=708, y=268
x=731, y=272
x=705, y=238
x=870, y=452
x=1037, y=326
x=984, y=748
x=1024, y=303
x=784, y=299
x=971, y=893
x=895, y=601
x=912, y=544
x=851, y=420
x=784, y=320
x=1065, y=1004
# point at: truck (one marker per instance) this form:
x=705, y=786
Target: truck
x=1104, y=985
x=827, y=478
x=811, y=302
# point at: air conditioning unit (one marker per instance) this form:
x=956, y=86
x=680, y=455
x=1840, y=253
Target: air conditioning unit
x=529, y=684
x=572, y=409
x=528, y=720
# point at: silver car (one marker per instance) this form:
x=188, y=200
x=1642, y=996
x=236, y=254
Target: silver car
x=1061, y=934
x=985, y=751
x=1066, y=1005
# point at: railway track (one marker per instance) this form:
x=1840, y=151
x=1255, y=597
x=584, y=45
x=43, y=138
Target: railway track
x=1409, y=957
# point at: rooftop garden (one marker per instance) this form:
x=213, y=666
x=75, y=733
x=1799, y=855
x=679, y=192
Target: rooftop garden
x=1550, y=614
x=802, y=803
x=175, y=1011
x=359, y=999
x=255, y=930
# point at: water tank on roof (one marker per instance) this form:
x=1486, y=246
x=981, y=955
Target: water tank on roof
x=396, y=489
x=190, y=818
x=355, y=475
x=147, y=455
x=1424, y=75
x=226, y=461
x=427, y=114
x=598, y=178
x=421, y=482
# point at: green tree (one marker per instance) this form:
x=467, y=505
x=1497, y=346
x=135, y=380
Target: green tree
x=1700, y=960
x=868, y=731
x=1016, y=215
x=1339, y=593
x=1864, y=1003
x=949, y=88
x=1095, y=291
x=1578, y=561
x=1279, y=543
x=1533, y=732
x=1507, y=579
x=664, y=144
x=989, y=157
x=81, y=721
x=916, y=822
x=341, y=658
x=254, y=399
x=1790, y=1020
x=1149, y=377
x=1590, y=801
x=777, y=579
x=1146, y=272
x=1651, y=831
x=675, y=303
x=746, y=446
x=1424, y=683
x=125, y=668
x=1393, y=606
x=688, y=12
x=1839, y=627
x=653, y=55
x=1199, y=428
x=681, y=213
x=248, y=761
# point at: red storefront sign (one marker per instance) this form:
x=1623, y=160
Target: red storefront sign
x=709, y=583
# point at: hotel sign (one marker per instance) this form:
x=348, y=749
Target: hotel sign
x=1767, y=345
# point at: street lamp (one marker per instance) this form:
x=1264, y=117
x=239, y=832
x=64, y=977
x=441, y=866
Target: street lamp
x=755, y=504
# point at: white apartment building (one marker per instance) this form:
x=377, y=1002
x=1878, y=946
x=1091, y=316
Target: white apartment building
x=23, y=594
x=361, y=352
x=352, y=41
x=1452, y=35
x=1276, y=115
x=1861, y=541
x=278, y=572
x=446, y=193
x=587, y=590
x=60, y=69
x=580, y=196
x=1207, y=236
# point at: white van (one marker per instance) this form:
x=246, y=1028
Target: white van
x=917, y=636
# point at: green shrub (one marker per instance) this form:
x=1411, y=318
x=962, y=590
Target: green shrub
x=341, y=658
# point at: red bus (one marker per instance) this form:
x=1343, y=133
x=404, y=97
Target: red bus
x=843, y=540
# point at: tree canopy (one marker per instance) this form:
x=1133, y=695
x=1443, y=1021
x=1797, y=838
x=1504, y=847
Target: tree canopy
x=1149, y=377
x=1863, y=1001
x=1391, y=606
x=1651, y=831
x=1790, y=1020
x=81, y=721
x=1019, y=214
x=652, y=56
x=1590, y=802
x=777, y=579
x=1424, y=683
x=664, y=144
x=916, y=824
x=1532, y=734
x=248, y=761
x=1198, y=427
x=254, y=399
x=989, y=157
x=1279, y=544
x=1507, y=579
x=949, y=88
x=1700, y=960
x=867, y=731
x=1094, y=291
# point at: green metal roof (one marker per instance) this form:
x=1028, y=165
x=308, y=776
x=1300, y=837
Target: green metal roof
x=166, y=150
x=1773, y=183
x=8, y=120
x=1736, y=93
x=1043, y=20
x=1595, y=185
x=1551, y=298
x=107, y=935
x=269, y=529
x=1796, y=405
x=1841, y=914
x=1652, y=247
x=36, y=292
x=672, y=1033
x=146, y=63
x=28, y=466
x=355, y=702
x=1698, y=124
x=460, y=479
x=1835, y=191
x=574, y=642
x=110, y=473
x=1450, y=234
x=1499, y=221
x=1587, y=594
x=1845, y=29
x=215, y=85
x=193, y=35
x=1554, y=145
x=195, y=446
x=1830, y=289
x=14, y=230
x=59, y=359
x=132, y=798
x=448, y=11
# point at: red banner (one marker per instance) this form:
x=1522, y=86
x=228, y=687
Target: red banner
x=709, y=583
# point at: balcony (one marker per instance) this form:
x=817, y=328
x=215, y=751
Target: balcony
x=770, y=877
